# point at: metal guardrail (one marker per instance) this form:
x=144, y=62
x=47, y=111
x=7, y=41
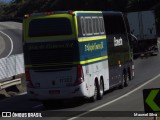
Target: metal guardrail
x=11, y=66
x=6, y=84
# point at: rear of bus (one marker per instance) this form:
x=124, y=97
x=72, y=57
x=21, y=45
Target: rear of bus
x=51, y=56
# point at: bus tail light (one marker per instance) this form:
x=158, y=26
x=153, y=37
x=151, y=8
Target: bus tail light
x=80, y=75
x=70, y=12
x=28, y=78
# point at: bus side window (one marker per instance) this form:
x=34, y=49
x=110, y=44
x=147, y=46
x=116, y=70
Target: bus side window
x=95, y=25
x=89, y=26
x=83, y=25
x=101, y=25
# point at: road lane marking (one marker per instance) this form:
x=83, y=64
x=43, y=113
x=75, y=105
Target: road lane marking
x=38, y=106
x=119, y=98
x=2, y=45
x=10, y=41
x=23, y=93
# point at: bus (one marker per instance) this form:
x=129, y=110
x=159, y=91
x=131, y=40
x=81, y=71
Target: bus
x=120, y=48
x=74, y=54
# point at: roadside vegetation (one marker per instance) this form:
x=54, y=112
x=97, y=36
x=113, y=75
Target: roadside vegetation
x=18, y=8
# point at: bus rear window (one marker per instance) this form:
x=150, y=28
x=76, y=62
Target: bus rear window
x=49, y=27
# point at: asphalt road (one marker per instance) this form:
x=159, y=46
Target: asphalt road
x=10, y=38
x=115, y=100
x=146, y=69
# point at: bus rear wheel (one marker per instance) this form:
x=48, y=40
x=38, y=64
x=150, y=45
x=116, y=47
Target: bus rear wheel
x=100, y=91
x=130, y=73
x=126, y=80
x=95, y=96
x=121, y=86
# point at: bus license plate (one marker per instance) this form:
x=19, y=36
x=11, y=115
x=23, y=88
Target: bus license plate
x=55, y=92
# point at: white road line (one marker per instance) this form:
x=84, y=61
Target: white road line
x=37, y=106
x=10, y=41
x=23, y=93
x=119, y=98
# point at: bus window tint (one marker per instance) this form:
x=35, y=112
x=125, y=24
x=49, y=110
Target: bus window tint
x=49, y=27
x=114, y=24
x=101, y=25
x=83, y=27
x=89, y=25
x=95, y=25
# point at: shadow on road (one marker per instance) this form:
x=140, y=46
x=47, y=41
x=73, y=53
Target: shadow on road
x=63, y=104
x=2, y=96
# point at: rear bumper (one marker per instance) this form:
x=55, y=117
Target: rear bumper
x=58, y=93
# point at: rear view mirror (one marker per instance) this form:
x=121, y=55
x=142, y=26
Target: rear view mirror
x=134, y=39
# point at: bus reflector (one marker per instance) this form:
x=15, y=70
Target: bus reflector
x=80, y=75
x=28, y=78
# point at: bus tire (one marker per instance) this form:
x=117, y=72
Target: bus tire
x=100, y=90
x=123, y=82
x=95, y=96
x=126, y=80
x=121, y=86
x=130, y=77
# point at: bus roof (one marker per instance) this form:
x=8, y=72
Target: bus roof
x=70, y=12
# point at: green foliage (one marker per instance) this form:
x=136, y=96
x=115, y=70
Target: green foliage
x=21, y=7
x=3, y=6
x=18, y=8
